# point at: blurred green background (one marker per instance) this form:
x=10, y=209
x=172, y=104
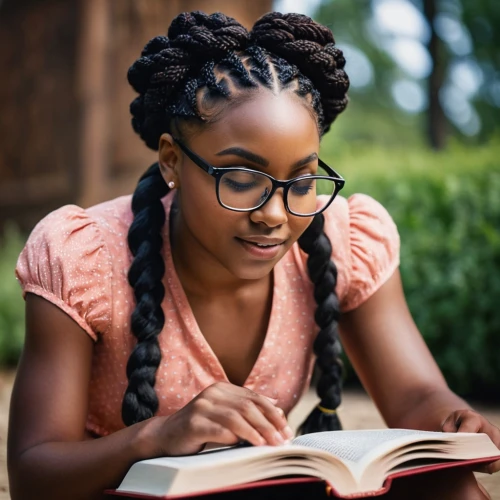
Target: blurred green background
x=420, y=135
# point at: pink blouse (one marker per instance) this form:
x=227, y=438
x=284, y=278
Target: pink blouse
x=78, y=260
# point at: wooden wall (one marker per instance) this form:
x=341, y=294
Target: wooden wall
x=65, y=133
x=39, y=126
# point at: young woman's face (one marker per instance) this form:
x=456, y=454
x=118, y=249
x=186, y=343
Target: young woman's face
x=281, y=135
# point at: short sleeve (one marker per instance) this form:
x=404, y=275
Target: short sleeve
x=66, y=262
x=374, y=249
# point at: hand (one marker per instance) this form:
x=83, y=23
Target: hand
x=226, y=414
x=470, y=421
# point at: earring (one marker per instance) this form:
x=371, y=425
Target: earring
x=171, y=184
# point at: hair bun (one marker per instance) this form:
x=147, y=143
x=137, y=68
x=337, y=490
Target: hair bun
x=278, y=28
x=202, y=34
x=166, y=63
x=311, y=47
x=193, y=37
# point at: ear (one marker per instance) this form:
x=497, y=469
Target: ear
x=169, y=158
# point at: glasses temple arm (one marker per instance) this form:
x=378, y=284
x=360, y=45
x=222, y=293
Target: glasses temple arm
x=194, y=157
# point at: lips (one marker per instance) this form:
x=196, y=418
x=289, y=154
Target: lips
x=262, y=247
x=262, y=241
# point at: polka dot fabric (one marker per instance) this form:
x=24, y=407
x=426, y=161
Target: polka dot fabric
x=78, y=259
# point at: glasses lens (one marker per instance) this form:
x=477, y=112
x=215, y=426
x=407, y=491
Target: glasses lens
x=302, y=194
x=244, y=190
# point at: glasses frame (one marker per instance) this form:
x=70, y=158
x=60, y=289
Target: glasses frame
x=218, y=172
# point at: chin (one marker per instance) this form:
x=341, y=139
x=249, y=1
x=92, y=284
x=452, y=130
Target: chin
x=253, y=270
x=254, y=274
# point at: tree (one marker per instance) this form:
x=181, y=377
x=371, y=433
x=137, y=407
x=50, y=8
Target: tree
x=455, y=86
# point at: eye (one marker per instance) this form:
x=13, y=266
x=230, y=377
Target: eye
x=243, y=180
x=303, y=187
x=237, y=186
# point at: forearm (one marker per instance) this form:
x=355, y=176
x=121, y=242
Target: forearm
x=79, y=470
x=428, y=410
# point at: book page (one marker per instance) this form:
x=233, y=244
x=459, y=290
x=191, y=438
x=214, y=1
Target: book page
x=354, y=445
x=219, y=456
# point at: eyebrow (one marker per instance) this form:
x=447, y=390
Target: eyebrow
x=254, y=158
x=244, y=153
x=305, y=161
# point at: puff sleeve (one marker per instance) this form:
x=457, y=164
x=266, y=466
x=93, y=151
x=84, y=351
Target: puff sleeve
x=374, y=249
x=65, y=261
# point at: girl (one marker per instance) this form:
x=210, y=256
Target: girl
x=189, y=312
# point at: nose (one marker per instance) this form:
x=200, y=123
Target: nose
x=273, y=213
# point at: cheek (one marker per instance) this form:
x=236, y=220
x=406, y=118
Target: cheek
x=202, y=213
x=298, y=225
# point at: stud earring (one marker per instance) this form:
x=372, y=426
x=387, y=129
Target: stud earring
x=171, y=184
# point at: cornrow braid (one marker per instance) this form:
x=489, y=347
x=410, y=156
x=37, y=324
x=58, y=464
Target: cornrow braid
x=183, y=79
x=311, y=47
x=323, y=274
x=145, y=276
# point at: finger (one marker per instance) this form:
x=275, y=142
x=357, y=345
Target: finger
x=273, y=413
x=208, y=431
x=275, y=416
x=489, y=468
x=258, y=420
x=273, y=401
x=449, y=424
x=231, y=419
x=470, y=424
x=286, y=432
x=464, y=421
x=494, y=467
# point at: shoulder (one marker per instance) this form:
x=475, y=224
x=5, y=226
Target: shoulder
x=365, y=243
x=68, y=260
x=72, y=223
x=357, y=210
x=77, y=230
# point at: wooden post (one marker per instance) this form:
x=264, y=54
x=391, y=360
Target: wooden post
x=94, y=99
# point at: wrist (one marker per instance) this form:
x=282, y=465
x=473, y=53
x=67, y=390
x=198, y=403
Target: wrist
x=147, y=441
x=430, y=410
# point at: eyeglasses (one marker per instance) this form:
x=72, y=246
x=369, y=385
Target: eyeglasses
x=243, y=190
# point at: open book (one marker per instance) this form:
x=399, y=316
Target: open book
x=353, y=463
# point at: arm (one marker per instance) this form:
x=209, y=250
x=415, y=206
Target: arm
x=400, y=374
x=47, y=418
x=394, y=364
x=47, y=441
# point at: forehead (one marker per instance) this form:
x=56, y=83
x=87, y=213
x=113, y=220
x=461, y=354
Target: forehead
x=266, y=121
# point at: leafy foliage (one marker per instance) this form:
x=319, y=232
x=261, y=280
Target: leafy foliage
x=11, y=302
x=447, y=209
x=470, y=22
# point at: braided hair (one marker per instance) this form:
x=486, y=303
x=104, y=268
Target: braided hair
x=183, y=80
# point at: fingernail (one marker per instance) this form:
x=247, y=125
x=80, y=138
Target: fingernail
x=287, y=432
x=278, y=437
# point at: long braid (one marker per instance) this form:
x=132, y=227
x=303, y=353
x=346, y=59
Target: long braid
x=145, y=276
x=323, y=274
x=183, y=79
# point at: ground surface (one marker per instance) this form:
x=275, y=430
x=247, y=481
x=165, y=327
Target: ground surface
x=357, y=412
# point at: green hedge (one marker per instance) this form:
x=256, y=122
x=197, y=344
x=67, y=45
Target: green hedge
x=447, y=208
x=11, y=302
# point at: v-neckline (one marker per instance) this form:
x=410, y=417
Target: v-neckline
x=187, y=314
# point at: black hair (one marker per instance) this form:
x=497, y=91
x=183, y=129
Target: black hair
x=207, y=63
